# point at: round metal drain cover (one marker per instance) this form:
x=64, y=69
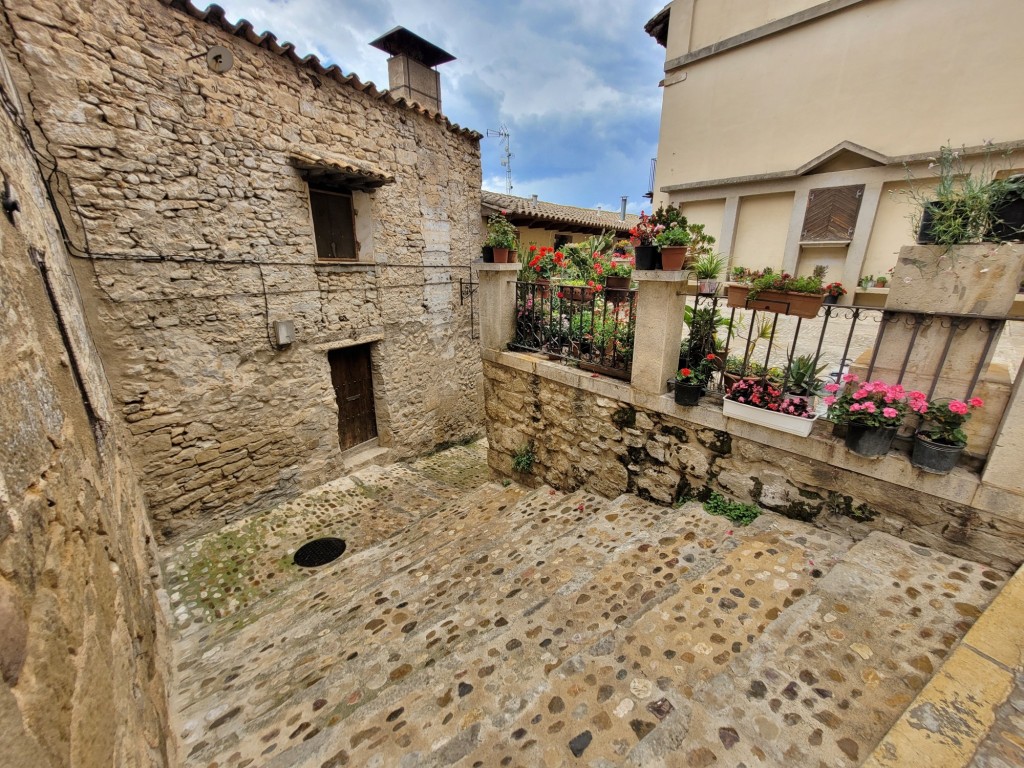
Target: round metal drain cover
x=319, y=552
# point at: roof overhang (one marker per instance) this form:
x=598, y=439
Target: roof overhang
x=338, y=171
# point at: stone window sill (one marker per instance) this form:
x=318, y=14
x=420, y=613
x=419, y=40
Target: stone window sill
x=344, y=266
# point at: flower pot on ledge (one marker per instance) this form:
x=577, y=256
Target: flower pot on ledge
x=869, y=441
x=794, y=425
x=686, y=394
x=673, y=257
x=501, y=255
x=937, y=458
x=647, y=257
x=805, y=305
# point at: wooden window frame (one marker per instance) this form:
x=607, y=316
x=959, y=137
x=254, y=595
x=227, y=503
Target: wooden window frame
x=337, y=192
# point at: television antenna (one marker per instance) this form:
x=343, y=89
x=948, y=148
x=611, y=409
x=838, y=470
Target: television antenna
x=505, y=136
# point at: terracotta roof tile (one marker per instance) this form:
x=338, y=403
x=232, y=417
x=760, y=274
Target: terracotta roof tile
x=559, y=214
x=214, y=15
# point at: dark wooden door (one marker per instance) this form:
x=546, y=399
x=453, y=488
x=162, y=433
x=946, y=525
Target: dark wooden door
x=353, y=388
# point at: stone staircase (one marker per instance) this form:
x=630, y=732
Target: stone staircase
x=476, y=624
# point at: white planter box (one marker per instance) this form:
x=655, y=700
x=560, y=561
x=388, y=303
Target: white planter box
x=794, y=425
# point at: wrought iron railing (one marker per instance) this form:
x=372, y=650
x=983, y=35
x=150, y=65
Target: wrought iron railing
x=763, y=344
x=593, y=327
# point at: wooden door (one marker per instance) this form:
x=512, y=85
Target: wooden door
x=353, y=388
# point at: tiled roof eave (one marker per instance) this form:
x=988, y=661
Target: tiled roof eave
x=215, y=16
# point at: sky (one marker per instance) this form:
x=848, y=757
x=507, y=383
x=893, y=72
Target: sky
x=574, y=81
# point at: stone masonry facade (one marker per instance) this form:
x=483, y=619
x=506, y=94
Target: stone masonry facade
x=191, y=232
x=584, y=436
x=83, y=667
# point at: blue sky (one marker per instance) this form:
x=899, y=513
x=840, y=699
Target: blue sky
x=575, y=81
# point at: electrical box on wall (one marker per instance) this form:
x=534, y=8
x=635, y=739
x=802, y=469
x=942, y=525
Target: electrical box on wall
x=284, y=332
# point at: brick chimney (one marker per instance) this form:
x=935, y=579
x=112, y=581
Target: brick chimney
x=411, y=72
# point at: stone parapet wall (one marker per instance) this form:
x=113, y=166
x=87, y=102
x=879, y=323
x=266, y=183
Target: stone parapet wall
x=82, y=640
x=610, y=438
x=193, y=233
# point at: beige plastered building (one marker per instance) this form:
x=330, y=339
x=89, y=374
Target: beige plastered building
x=790, y=127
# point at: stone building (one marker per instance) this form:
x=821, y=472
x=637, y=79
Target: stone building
x=269, y=251
x=83, y=644
x=542, y=223
x=789, y=127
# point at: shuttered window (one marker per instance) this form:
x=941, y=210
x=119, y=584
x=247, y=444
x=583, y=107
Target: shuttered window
x=832, y=213
x=333, y=224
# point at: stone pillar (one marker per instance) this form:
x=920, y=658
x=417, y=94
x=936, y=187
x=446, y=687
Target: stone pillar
x=497, y=297
x=861, y=236
x=1006, y=456
x=791, y=256
x=979, y=279
x=659, y=328
x=730, y=217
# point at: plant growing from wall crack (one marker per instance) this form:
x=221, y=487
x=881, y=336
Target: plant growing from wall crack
x=523, y=459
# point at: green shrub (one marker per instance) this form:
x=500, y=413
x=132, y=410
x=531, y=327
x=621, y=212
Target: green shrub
x=739, y=513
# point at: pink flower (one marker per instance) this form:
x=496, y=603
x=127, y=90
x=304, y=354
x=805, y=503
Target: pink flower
x=890, y=413
x=976, y=402
x=860, y=394
x=849, y=377
x=958, y=407
x=869, y=407
x=833, y=387
x=829, y=400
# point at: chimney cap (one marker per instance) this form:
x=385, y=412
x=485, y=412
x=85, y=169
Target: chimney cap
x=400, y=41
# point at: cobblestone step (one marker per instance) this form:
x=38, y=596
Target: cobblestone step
x=828, y=678
x=509, y=627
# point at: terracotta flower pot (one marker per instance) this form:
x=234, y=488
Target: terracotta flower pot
x=613, y=283
x=804, y=305
x=673, y=257
x=501, y=255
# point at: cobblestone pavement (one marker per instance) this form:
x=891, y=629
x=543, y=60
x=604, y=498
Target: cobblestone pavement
x=475, y=624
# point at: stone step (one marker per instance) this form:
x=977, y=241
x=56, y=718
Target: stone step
x=509, y=669
x=374, y=626
x=827, y=678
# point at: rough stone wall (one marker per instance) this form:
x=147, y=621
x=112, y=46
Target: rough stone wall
x=80, y=631
x=582, y=439
x=193, y=235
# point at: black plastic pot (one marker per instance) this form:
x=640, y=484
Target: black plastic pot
x=647, y=257
x=488, y=254
x=830, y=299
x=934, y=457
x=1009, y=220
x=688, y=394
x=869, y=441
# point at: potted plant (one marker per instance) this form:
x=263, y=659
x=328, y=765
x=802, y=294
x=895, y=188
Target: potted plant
x=872, y=410
x=707, y=268
x=689, y=383
x=802, y=378
x=941, y=439
x=1008, y=215
x=881, y=281
x=780, y=292
x=617, y=274
x=833, y=291
x=642, y=237
x=545, y=262
x=622, y=248
x=673, y=241
x=501, y=236
x=760, y=402
x=739, y=274
x=962, y=208
x=866, y=282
